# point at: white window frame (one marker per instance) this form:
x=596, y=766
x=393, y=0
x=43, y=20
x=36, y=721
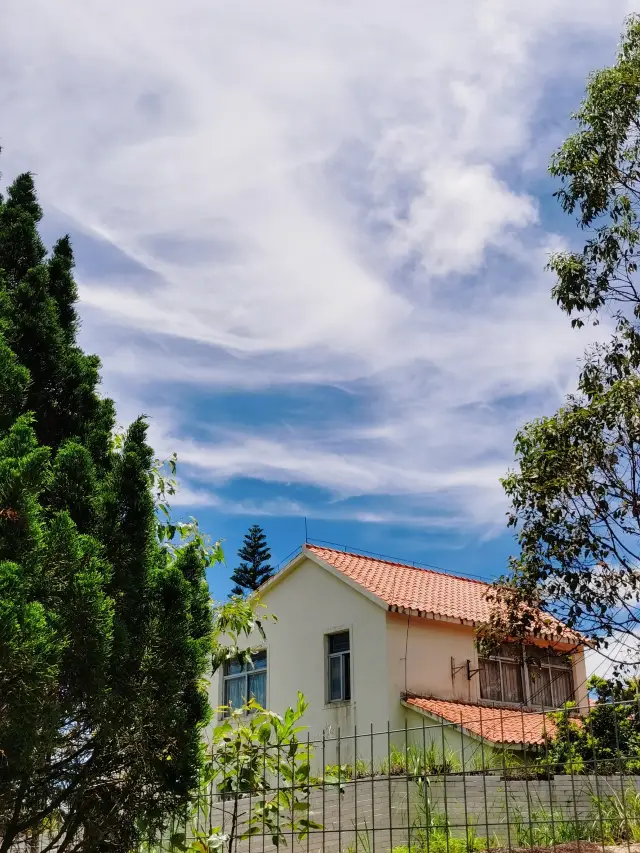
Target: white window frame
x=344, y=682
x=248, y=669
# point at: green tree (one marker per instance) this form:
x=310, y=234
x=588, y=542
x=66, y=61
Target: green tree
x=575, y=495
x=254, y=569
x=607, y=738
x=105, y=618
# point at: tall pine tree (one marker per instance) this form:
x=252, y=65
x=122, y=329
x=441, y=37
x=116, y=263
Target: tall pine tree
x=254, y=569
x=104, y=633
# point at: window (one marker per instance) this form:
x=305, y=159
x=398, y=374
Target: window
x=550, y=678
x=501, y=677
x=244, y=681
x=538, y=677
x=339, y=667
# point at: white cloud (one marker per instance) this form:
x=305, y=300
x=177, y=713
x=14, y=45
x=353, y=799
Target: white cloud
x=623, y=653
x=313, y=194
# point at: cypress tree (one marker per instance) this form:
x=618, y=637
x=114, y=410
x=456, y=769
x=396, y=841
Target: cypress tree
x=254, y=569
x=104, y=633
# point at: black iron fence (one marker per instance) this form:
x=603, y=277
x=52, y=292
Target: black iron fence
x=571, y=778
x=441, y=787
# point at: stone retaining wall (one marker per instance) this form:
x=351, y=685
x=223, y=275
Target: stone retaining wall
x=384, y=813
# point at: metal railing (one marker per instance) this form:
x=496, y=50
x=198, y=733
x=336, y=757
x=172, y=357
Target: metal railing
x=442, y=787
x=438, y=787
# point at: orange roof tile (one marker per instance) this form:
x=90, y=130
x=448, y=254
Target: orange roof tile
x=410, y=588
x=425, y=591
x=498, y=725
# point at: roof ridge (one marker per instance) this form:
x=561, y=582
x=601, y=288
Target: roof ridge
x=389, y=562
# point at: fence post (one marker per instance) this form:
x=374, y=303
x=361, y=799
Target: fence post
x=623, y=792
x=597, y=784
x=389, y=784
x=504, y=777
x=444, y=784
x=427, y=802
x=308, y=760
x=339, y=752
x=573, y=787
x=526, y=779
x=484, y=780
x=549, y=774
x=324, y=786
x=464, y=781
x=406, y=774
x=354, y=779
x=373, y=790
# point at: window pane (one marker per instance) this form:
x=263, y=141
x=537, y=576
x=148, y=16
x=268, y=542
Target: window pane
x=233, y=691
x=511, y=682
x=260, y=660
x=490, y=680
x=539, y=686
x=335, y=678
x=339, y=642
x=562, y=686
x=233, y=667
x=347, y=675
x=258, y=688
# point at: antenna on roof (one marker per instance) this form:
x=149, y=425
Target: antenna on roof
x=306, y=537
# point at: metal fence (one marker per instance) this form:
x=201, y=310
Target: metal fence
x=438, y=788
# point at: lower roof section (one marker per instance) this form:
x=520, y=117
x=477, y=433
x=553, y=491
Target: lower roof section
x=495, y=725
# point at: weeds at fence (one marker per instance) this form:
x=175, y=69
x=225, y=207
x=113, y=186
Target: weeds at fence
x=412, y=791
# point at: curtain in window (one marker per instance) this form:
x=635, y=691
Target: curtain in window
x=233, y=691
x=258, y=687
x=562, y=686
x=540, y=686
x=511, y=682
x=490, y=680
x=335, y=678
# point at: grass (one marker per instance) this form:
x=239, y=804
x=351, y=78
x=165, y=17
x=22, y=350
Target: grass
x=617, y=816
x=612, y=818
x=434, y=836
x=415, y=761
x=346, y=772
x=545, y=828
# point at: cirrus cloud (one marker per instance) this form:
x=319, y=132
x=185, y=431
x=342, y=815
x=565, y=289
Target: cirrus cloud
x=290, y=197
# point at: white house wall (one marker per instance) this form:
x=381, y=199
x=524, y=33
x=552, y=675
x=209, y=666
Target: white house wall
x=309, y=604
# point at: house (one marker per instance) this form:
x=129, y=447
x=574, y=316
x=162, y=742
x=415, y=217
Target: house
x=379, y=646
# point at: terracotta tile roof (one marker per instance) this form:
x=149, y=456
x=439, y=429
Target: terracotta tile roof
x=410, y=588
x=498, y=725
x=425, y=591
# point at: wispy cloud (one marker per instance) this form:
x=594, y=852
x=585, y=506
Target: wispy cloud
x=313, y=195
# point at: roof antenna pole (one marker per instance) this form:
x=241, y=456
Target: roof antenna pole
x=306, y=537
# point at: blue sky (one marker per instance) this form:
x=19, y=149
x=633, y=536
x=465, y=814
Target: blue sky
x=310, y=245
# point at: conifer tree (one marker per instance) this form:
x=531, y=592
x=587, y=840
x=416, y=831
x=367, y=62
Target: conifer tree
x=105, y=632
x=254, y=569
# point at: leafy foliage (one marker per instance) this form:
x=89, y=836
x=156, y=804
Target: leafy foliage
x=105, y=621
x=575, y=495
x=255, y=754
x=605, y=740
x=254, y=569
